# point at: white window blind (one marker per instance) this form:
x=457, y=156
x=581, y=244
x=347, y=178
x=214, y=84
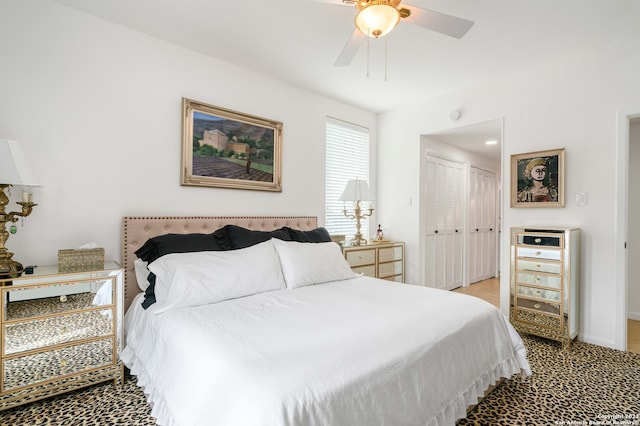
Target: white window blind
x=347, y=158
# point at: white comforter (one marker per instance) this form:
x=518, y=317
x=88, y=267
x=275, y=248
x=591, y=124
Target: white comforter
x=355, y=353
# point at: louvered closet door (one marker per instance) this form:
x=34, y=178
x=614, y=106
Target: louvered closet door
x=482, y=225
x=443, y=208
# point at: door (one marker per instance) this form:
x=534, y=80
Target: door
x=482, y=225
x=443, y=218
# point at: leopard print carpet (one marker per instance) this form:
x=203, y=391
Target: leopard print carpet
x=100, y=405
x=584, y=385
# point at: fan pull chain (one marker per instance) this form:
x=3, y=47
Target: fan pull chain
x=385, y=59
x=368, y=38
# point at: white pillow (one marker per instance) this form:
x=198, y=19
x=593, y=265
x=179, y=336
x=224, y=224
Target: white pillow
x=311, y=263
x=193, y=279
x=142, y=272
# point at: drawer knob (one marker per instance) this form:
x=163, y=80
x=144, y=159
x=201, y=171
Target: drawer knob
x=63, y=362
x=537, y=306
x=360, y=257
x=538, y=240
x=538, y=253
x=538, y=266
x=538, y=292
x=537, y=279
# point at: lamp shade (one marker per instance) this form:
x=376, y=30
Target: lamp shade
x=14, y=169
x=356, y=190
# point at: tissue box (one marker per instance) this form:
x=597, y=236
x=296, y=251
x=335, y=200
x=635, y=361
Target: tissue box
x=76, y=260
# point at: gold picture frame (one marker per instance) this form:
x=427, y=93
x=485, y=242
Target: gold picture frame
x=537, y=179
x=229, y=149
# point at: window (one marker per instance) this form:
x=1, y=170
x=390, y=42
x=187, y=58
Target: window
x=347, y=158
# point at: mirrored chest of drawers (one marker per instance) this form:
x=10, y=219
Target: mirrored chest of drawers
x=378, y=260
x=544, y=281
x=59, y=332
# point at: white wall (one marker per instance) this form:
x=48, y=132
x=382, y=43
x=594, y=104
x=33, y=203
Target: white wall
x=568, y=104
x=97, y=108
x=633, y=245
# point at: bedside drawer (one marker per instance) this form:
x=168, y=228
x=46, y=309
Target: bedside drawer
x=25, y=301
x=389, y=269
x=369, y=270
x=550, y=281
x=389, y=254
x=361, y=257
x=549, y=267
x=395, y=278
x=45, y=366
x=539, y=253
x=51, y=331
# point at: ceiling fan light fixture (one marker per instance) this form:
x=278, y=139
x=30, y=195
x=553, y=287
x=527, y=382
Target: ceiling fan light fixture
x=377, y=18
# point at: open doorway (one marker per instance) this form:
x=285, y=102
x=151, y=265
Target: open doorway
x=627, y=239
x=633, y=237
x=478, y=233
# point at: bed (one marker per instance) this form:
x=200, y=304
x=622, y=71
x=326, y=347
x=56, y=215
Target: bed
x=298, y=338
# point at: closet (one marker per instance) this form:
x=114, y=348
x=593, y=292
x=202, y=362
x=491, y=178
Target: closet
x=443, y=219
x=458, y=217
x=482, y=225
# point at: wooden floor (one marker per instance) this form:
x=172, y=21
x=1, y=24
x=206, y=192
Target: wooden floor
x=489, y=290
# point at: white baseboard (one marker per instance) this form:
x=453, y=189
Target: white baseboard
x=633, y=316
x=596, y=341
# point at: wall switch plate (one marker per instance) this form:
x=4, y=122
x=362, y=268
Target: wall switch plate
x=581, y=199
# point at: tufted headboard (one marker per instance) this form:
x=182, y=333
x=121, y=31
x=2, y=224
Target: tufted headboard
x=137, y=230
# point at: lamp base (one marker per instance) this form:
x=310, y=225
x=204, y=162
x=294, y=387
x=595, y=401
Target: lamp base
x=359, y=241
x=9, y=268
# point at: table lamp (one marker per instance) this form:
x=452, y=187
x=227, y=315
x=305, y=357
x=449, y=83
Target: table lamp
x=357, y=190
x=14, y=170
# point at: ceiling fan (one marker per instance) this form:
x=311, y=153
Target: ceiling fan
x=377, y=18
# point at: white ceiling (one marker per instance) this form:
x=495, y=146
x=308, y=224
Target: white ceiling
x=473, y=138
x=298, y=41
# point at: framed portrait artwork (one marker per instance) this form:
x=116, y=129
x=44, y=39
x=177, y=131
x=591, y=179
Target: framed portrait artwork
x=537, y=179
x=230, y=149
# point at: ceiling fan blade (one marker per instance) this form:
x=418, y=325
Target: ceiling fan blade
x=437, y=21
x=338, y=2
x=350, y=49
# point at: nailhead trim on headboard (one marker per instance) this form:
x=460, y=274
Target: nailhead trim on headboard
x=136, y=230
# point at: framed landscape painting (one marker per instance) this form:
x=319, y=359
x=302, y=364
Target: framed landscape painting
x=230, y=149
x=537, y=179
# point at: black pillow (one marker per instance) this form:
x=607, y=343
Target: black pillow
x=172, y=243
x=318, y=235
x=176, y=243
x=149, y=293
x=233, y=237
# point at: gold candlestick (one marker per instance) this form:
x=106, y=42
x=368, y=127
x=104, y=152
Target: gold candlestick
x=358, y=215
x=8, y=266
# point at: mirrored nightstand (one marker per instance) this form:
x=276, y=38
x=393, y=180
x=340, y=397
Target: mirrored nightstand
x=59, y=332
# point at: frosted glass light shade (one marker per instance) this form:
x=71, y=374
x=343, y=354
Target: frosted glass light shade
x=377, y=20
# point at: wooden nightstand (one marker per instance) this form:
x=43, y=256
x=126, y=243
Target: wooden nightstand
x=59, y=332
x=378, y=260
